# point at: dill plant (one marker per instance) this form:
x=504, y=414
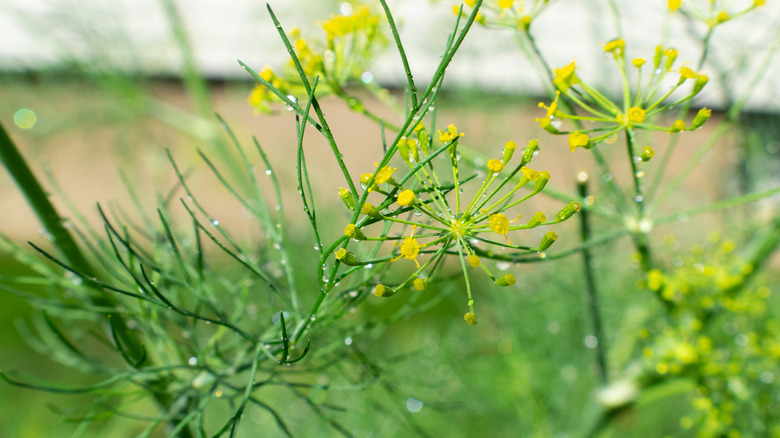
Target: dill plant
x=187, y=349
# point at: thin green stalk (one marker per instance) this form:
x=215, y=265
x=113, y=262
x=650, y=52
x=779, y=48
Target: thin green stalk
x=402, y=53
x=591, y=289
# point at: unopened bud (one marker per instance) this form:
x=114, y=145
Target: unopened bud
x=495, y=166
x=677, y=126
x=347, y=257
x=383, y=291
x=547, y=240
x=474, y=261
x=530, y=149
x=701, y=81
x=541, y=180
x=671, y=56
x=538, y=218
x=647, y=153
x=354, y=232
x=509, y=150
x=403, y=149
x=506, y=280
x=347, y=197
x=568, y=211
x=702, y=116
x=659, y=50
x=371, y=211
x=471, y=319
x=420, y=283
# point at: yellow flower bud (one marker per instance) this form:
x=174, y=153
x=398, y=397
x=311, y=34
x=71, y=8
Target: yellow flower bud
x=702, y=116
x=347, y=197
x=671, y=56
x=616, y=46
x=568, y=211
x=636, y=115
x=371, y=211
x=499, y=223
x=495, y=166
x=541, y=180
x=403, y=149
x=578, y=139
x=509, y=150
x=505, y=4
x=701, y=81
x=420, y=283
x=722, y=17
x=677, y=126
x=659, y=50
x=385, y=174
x=674, y=4
x=354, y=232
x=383, y=291
x=406, y=197
x=528, y=152
x=638, y=62
x=347, y=257
x=647, y=153
x=474, y=261
x=565, y=77
x=525, y=22
x=365, y=178
x=506, y=280
x=471, y=319
x=549, y=238
x=538, y=218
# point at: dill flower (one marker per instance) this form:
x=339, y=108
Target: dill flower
x=349, y=45
x=636, y=107
x=444, y=220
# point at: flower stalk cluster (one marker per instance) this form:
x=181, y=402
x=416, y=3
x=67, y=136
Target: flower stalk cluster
x=441, y=220
x=350, y=42
x=639, y=103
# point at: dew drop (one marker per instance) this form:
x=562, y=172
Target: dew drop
x=591, y=341
x=268, y=171
x=215, y=223
x=329, y=56
x=348, y=341
x=294, y=101
x=345, y=8
x=367, y=77
x=413, y=405
x=640, y=174
x=193, y=360
x=607, y=177
x=639, y=199
x=418, y=213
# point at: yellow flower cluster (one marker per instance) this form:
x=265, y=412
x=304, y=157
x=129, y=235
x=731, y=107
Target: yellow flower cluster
x=704, y=12
x=718, y=335
x=450, y=223
x=350, y=43
x=609, y=118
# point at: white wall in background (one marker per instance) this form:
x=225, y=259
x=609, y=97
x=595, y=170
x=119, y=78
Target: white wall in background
x=135, y=35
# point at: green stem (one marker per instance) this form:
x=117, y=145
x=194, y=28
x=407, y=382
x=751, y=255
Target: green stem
x=590, y=287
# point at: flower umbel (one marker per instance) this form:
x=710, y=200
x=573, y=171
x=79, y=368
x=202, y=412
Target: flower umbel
x=450, y=223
